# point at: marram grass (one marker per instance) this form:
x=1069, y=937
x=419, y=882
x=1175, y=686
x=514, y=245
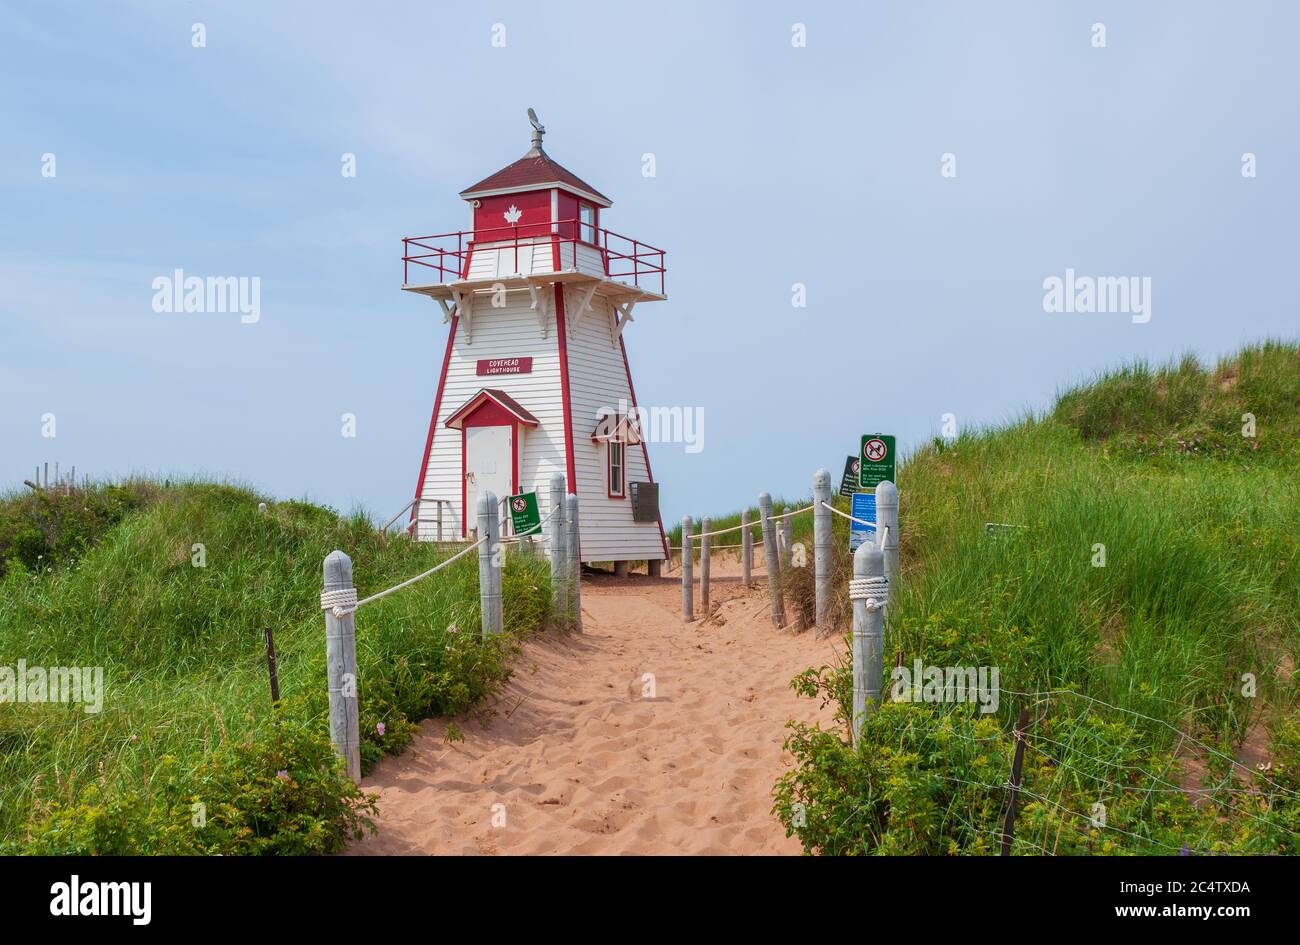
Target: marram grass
x=186, y=691
x=1157, y=571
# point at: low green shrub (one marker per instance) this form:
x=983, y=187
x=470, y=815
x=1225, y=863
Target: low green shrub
x=284, y=794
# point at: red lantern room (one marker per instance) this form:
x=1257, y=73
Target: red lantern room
x=535, y=377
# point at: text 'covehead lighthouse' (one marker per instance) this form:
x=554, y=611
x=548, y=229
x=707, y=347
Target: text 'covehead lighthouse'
x=538, y=295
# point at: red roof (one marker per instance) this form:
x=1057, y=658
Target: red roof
x=535, y=167
x=502, y=399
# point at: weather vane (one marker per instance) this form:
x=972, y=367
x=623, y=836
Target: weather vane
x=538, y=129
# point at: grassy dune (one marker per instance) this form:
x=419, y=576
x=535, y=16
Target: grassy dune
x=187, y=716
x=1191, y=628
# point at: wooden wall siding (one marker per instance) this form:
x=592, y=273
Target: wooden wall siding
x=507, y=332
x=497, y=260
x=598, y=380
x=583, y=257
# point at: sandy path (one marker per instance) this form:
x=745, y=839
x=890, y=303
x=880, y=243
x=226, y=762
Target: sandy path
x=583, y=763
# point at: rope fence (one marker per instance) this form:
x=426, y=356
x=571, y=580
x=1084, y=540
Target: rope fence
x=776, y=535
x=339, y=600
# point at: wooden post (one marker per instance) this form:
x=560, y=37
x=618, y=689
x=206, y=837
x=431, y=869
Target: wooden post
x=746, y=550
x=785, y=533
x=868, y=639
x=559, y=569
x=573, y=556
x=822, y=548
x=271, y=668
x=1017, y=762
x=341, y=667
x=489, y=569
x=620, y=569
x=655, y=567
x=887, y=517
x=706, y=526
x=688, y=599
x=772, y=556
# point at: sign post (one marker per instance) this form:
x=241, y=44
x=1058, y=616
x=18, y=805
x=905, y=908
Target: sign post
x=524, y=515
x=877, y=460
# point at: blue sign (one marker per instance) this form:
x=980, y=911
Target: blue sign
x=863, y=509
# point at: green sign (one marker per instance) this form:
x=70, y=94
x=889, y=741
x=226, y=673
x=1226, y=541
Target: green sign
x=877, y=456
x=524, y=516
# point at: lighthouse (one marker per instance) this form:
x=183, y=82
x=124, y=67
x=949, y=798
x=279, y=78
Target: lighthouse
x=537, y=294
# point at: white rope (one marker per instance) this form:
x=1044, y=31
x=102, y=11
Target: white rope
x=723, y=531
x=873, y=590
x=827, y=505
x=758, y=524
x=756, y=542
x=338, y=600
x=344, y=602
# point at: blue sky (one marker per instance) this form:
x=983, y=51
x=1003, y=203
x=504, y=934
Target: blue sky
x=775, y=165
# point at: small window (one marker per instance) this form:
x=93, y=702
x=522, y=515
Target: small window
x=586, y=223
x=615, y=455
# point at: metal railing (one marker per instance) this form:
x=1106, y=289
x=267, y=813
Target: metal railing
x=448, y=255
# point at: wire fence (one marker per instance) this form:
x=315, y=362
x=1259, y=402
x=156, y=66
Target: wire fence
x=1086, y=784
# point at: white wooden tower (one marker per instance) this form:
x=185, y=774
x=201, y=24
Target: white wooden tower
x=535, y=378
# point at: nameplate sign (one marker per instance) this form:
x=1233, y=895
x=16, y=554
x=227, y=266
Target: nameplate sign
x=489, y=367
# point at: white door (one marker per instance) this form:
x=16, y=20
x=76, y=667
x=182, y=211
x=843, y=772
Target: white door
x=488, y=467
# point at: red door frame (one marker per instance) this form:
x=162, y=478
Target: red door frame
x=487, y=414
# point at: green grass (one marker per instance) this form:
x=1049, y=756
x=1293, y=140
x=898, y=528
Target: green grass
x=185, y=677
x=1201, y=585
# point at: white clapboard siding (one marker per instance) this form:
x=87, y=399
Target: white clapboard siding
x=582, y=257
x=498, y=260
x=598, y=380
x=508, y=332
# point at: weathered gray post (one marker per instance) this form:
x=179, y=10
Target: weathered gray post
x=822, y=548
x=559, y=536
x=341, y=661
x=887, y=516
x=489, y=568
x=573, y=557
x=706, y=526
x=746, y=549
x=772, y=556
x=868, y=591
x=688, y=599
x=786, y=543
